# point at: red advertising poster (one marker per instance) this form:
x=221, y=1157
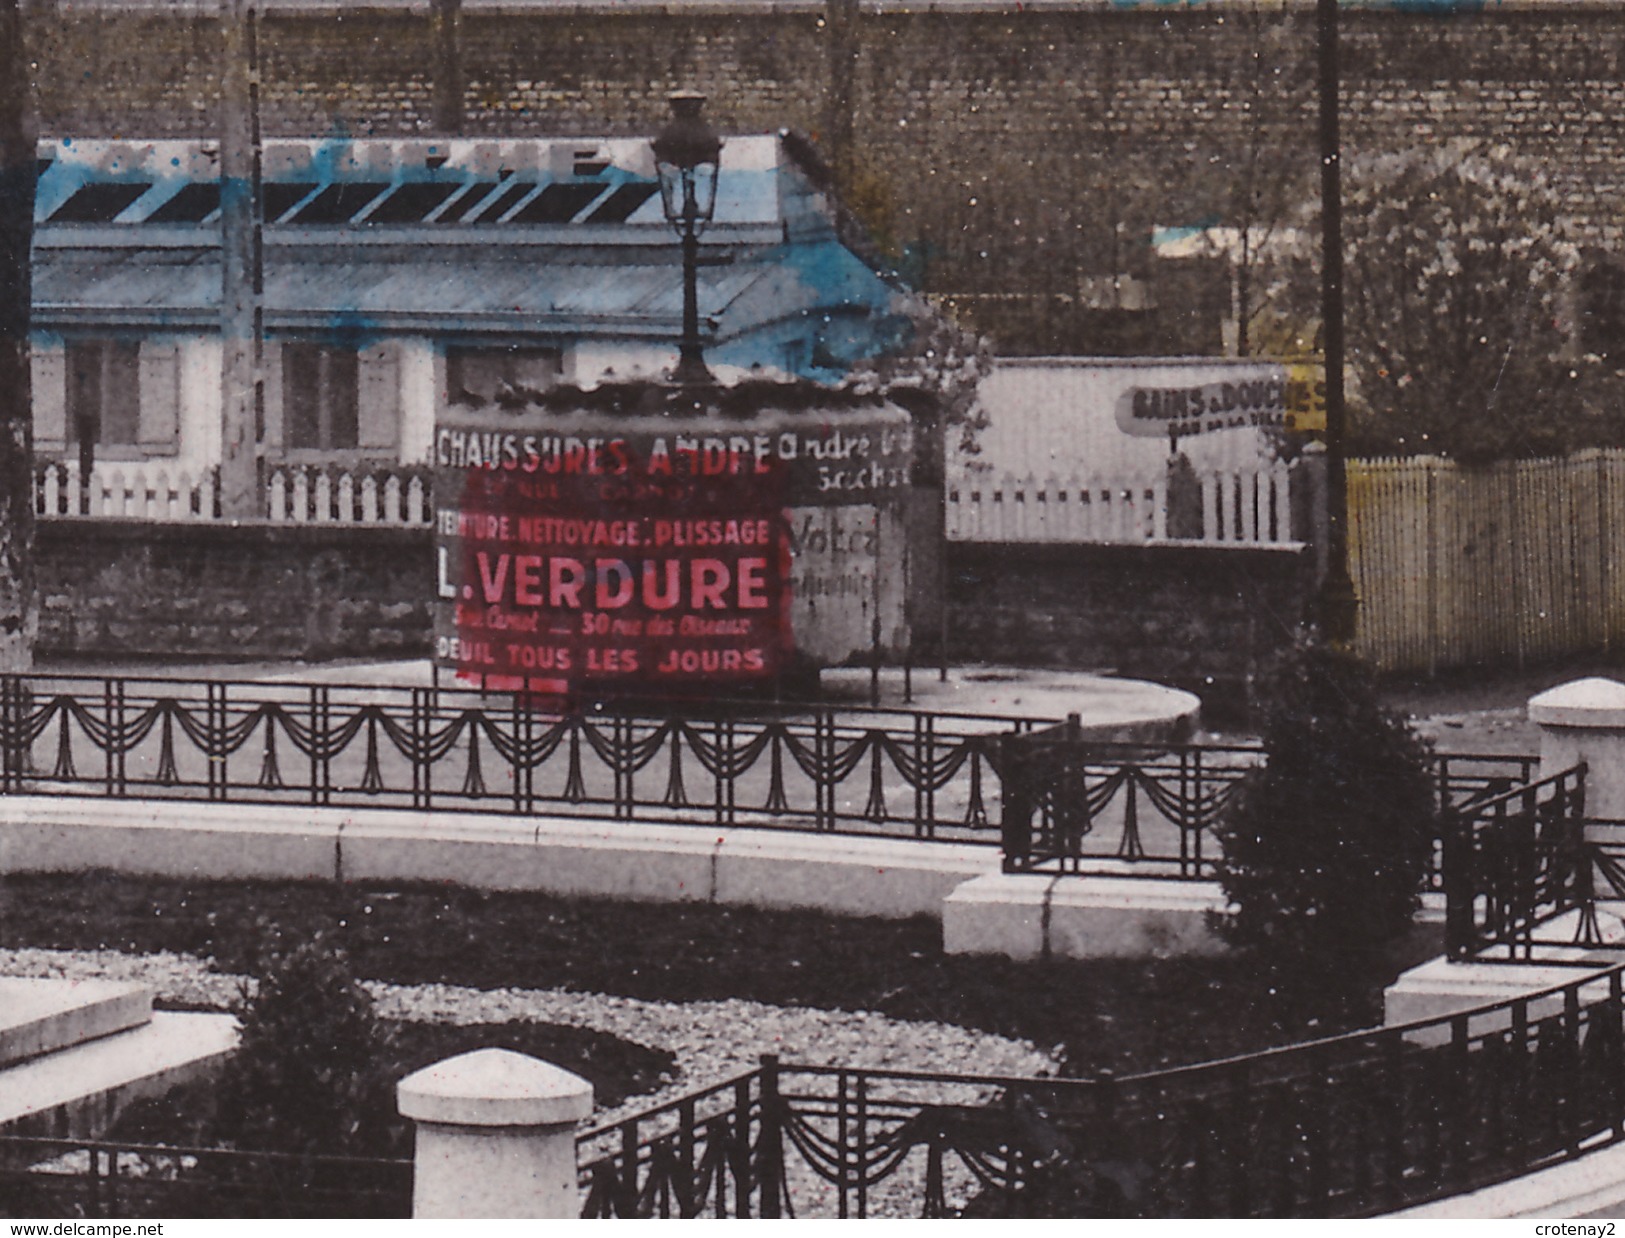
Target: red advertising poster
x=572, y=562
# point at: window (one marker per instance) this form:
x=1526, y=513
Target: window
x=103, y=392
x=320, y=397
x=484, y=375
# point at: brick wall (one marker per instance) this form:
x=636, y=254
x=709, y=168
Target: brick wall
x=132, y=590
x=1201, y=618
x=994, y=153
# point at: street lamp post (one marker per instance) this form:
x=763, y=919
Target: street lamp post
x=1338, y=604
x=686, y=156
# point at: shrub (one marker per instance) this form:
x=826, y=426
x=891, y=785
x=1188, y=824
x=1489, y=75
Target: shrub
x=312, y=1069
x=1326, y=844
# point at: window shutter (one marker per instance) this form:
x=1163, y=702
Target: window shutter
x=119, y=409
x=160, y=384
x=50, y=378
x=271, y=361
x=379, y=398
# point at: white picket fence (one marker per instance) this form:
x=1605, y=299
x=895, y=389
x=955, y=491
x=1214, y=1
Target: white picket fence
x=1009, y=508
x=153, y=490
x=1248, y=506
x=136, y=491
x=1253, y=506
x=1239, y=506
x=300, y=496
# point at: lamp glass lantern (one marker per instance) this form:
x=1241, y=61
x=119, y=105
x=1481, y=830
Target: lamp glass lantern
x=687, y=153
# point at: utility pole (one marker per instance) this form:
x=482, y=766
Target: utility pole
x=1338, y=604
x=841, y=19
x=242, y=293
x=19, y=600
x=445, y=20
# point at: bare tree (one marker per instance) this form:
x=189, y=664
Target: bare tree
x=1250, y=165
x=19, y=606
x=1459, y=273
x=935, y=355
x=1276, y=90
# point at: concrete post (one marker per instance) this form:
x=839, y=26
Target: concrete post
x=495, y=1137
x=1585, y=721
x=1185, y=518
x=1308, y=498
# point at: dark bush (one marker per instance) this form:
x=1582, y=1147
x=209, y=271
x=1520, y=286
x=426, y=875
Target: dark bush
x=312, y=1071
x=1327, y=843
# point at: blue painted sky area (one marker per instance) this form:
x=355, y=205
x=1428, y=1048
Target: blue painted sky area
x=345, y=182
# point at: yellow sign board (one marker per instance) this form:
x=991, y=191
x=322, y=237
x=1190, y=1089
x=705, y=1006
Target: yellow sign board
x=1305, y=397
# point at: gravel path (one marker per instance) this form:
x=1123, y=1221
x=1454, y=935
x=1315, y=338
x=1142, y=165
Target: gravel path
x=711, y=1040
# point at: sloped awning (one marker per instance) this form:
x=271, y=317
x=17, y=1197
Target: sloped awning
x=570, y=293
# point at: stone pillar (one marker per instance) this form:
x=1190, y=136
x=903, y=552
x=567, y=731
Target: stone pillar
x=496, y=1137
x=1308, y=500
x=1185, y=517
x=1585, y=721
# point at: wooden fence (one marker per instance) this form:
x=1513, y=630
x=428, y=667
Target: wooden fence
x=1454, y=564
x=1513, y=561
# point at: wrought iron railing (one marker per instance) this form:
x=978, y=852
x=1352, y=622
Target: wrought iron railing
x=1515, y=862
x=1069, y=802
x=1462, y=777
x=1060, y=791
x=716, y=1152
x=63, y=1178
x=1132, y=809
x=916, y=775
x=1356, y=1125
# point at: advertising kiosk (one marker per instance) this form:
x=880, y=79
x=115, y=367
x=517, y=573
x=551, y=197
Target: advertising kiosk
x=643, y=540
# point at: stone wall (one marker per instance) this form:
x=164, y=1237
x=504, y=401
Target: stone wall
x=134, y=590
x=1197, y=617
x=1012, y=160
x=1202, y=618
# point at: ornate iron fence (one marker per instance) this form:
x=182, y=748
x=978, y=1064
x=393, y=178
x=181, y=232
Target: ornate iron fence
x=1463, y=777
x=716, y=1152
x=1059, y=789
x=1352, y=1126
x=1129, y=809
x=883, y=772
x=1514, y=862
x=1068, y=802
x=63, y=1178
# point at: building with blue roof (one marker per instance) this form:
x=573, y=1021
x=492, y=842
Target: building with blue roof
x=402, y=275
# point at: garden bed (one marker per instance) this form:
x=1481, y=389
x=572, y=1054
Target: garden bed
x=1118, y=1015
